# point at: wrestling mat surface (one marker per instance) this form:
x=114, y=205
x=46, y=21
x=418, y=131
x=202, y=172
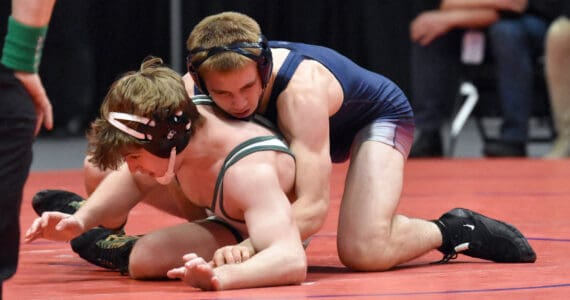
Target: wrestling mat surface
x=533, y=195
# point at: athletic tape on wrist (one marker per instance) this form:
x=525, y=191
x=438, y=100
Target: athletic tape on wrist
x=23, y=46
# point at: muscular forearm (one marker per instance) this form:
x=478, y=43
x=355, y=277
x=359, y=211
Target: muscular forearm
x=94, y=214
x=313, y=190
x=32, y=12
x=310, y=215
x=276, y=265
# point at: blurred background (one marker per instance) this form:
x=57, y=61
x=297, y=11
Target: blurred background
x=91, y=42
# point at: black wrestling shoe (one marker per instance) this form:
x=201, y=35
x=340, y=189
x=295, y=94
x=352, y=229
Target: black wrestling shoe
x=475, y=235
x=56, y=200
x=106, y=248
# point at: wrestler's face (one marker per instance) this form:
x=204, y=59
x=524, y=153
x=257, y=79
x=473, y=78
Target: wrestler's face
x=144, y=162
x=237, y=92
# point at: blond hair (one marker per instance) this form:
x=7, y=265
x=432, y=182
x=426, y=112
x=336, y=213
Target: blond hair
x=221, y=30
x=155, y=92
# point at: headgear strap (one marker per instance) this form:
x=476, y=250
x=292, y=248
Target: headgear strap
x=158, y=136
x=264, y=60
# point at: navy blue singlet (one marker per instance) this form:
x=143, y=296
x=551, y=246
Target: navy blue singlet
x=368, y=96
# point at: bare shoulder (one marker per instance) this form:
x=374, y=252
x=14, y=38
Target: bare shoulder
x=260, y=173
x=309, y=77
x=311, y=72
x=259, y=165
x=312, y=87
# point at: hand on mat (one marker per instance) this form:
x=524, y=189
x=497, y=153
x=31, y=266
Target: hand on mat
x=196, y=272
x=56, y=226
x=234, y=254
x=33, y=85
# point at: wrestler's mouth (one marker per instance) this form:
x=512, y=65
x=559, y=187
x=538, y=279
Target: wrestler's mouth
x=242, y=114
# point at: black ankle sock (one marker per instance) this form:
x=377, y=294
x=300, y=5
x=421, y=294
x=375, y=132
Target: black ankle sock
x=444, y=236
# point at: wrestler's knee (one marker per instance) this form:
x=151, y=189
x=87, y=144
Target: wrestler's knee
x=142, y=260
x=366, y=253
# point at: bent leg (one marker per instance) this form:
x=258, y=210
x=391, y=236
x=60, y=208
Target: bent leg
x=92, y=175
x=159, y=251
x=371, y=236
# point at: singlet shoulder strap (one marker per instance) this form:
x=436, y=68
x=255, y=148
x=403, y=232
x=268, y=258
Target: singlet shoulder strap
x=202, y=100
x=262, y=143
x=282, y=78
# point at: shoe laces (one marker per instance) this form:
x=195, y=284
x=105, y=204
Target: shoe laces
x=446, y=258
x=453, y=253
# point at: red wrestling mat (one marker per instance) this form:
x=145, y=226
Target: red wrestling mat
x=534, y=195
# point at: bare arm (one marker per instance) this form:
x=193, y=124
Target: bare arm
x=305, y=126
x=432, y=24
x=280, y=258
x=32, y=12
x=300, y=108
x=453, y=14
x=112, y=200
x=507, y=5
x=108, y=206
x=253, y=188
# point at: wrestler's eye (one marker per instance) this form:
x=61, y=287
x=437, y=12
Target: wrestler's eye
x=221, y=93
x=248, y=86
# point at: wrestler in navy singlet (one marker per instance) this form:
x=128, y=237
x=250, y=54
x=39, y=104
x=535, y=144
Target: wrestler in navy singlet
x=368, y=96
x=369, y=99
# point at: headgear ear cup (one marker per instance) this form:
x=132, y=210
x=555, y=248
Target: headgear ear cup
x=193, y=71
x=169, y=133
x=264, y=60
x=159, y=135
x=162, y=137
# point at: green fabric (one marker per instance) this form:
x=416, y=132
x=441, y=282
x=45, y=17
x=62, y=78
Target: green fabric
x=23, y=46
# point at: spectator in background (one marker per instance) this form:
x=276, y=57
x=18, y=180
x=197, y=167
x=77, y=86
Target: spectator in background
x=558, y=79
x=24, y=108
x=515, y=31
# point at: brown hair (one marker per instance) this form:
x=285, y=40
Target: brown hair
x=154, y=92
